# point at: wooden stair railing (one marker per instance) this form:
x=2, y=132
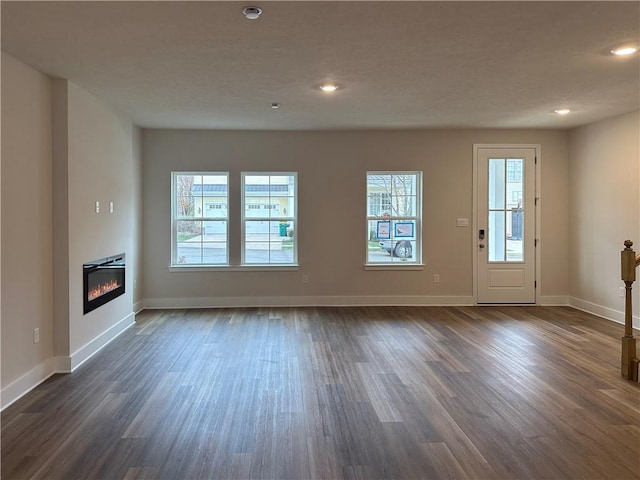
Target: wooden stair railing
x=630, y=361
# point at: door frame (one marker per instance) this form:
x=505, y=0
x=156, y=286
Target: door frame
x=538, y=215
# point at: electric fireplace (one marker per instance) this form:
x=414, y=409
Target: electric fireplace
x=103, y=280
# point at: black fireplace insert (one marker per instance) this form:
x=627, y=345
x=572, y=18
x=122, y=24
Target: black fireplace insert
x=103, y=281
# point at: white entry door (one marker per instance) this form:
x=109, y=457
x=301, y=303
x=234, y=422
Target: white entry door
x=505, y=224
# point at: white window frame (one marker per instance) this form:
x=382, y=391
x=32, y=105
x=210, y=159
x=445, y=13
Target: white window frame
x=280, y=218
x=202, y=218
x=394, y=263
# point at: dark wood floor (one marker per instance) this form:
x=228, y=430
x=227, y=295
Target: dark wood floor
x=338, y=393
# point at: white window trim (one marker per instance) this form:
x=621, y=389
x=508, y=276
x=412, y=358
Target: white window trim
x=268, y=266
x=235, y=268
x=397, y=265
x=394, y=266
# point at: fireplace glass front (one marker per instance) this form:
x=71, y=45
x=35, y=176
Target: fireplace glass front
x=103, y=281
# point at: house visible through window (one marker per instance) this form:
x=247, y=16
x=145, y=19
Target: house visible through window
x=514, y=171
x=379, y=203
x=269, y=218
x=394, y=218
x=200, y=218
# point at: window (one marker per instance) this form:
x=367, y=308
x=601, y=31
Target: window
x=200, y=218
x=269, y=216
x=394, y=218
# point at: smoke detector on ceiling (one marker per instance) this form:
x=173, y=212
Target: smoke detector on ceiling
x=252, y=12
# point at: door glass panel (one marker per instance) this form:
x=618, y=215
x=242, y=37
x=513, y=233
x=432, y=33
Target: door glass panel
x=496, y=183
x=506, y=210
x=496, y=236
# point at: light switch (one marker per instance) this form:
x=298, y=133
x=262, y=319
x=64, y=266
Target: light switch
x=110, y=207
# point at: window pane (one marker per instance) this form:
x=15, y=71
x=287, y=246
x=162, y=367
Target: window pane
x=496, y=183
x=189, y=230
x=214, y=242
x=379, y=204
x=186, y=207
x=375, y=251
x=515, y=251
x=379, y=195
x=269, y=242
x=287, y=234
x=403, y=249
x=253, y=209
x=189, y=253
x=497, y=236
x=269, y=196
x=403, y=185
x=515, y=169
x=215, y=208
x=186, y=196
x=214, y=253
x=215, y=231
x=404, y=206
x=515, y=211
x=392, y=250
x=515, y=185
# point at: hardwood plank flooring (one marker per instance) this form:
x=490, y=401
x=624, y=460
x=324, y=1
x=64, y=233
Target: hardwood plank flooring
x=338, y=393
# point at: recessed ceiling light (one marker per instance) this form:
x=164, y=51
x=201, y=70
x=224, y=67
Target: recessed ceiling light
x=275, y=106
x=562, y=111
x=329, y=87
x=624, y=50
x=252, y=12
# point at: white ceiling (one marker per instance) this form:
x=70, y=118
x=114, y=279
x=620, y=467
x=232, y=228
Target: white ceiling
x=399, y=64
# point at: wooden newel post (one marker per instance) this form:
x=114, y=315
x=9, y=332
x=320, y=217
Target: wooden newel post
x=629, y=366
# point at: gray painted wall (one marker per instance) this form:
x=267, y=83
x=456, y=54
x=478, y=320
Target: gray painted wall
x=331, y=170
x=27, y=269
x=605, y=194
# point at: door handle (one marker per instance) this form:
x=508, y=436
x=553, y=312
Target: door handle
x=481, y=245
x=481, y=234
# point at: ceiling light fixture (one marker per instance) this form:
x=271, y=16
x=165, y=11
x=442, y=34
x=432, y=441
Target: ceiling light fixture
x=329, y=87
x=275, y=106
x=624, y=50
x=562, y=111
x=252, y=12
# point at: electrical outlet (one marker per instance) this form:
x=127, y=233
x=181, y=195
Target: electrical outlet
x=305, y=278
x=436, y=278
x=36, y=335
x=97, y=207
x=621, y=292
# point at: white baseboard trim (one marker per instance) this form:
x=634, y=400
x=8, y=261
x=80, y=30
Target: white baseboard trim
x=138, y=307
x=27, y=382
x=553, y=300
x=62, y=364
x=34, y=377
x=311, y=301
x=602, y=311
x=94, y=346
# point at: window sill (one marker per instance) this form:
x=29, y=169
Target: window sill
x=233, y=268
x=398, y=267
